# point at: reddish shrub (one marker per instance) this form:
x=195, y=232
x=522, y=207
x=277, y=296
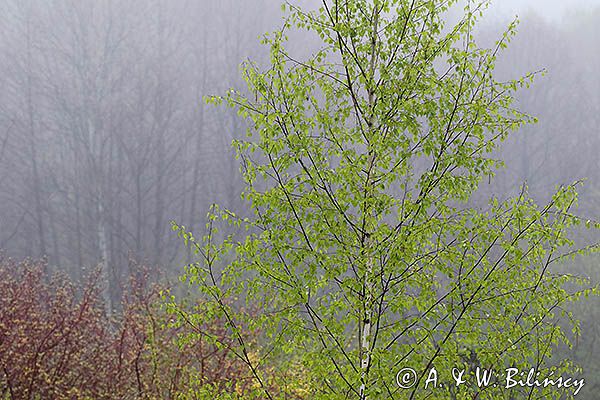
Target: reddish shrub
x=56, y=342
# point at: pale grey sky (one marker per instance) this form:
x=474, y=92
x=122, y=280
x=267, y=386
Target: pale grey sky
x=550, y=9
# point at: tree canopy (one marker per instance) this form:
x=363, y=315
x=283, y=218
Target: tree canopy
x=364, y=254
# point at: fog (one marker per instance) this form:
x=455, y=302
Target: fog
x=553, y=10
x=105, y=138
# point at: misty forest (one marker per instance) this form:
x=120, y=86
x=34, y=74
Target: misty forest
x=227, y=199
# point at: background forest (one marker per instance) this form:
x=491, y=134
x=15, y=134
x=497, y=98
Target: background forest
x=105, y=139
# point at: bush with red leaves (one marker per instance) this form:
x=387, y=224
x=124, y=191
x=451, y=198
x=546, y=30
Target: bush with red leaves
x=56, y=342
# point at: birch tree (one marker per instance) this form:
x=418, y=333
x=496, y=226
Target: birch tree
x=368, y=265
